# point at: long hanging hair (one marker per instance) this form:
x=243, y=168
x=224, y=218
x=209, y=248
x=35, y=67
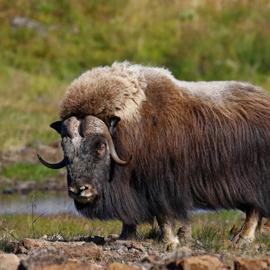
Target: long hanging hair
x=193, y=145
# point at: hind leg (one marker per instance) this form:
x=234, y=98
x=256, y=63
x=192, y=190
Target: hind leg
x=167, y=233
x=267, y=223
x=184, y=233
x=247, y=232
x=264, y=227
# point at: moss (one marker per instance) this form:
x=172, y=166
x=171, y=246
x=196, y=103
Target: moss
x=27, y=171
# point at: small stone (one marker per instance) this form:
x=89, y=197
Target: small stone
x=137, y=246
x=120, y=266
x=251, y=264
x=98, y=240
x=66, y=266
x=70, y=249
x=113, y=237
x=150, y=259
x=25, y=187
x=41, y=257
x=183, y=252
x=179, y=253
x=9, y=261
x=8, y=190
x=205, y=262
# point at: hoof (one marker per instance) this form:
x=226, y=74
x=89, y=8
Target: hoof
x=185, y=232
x=239, y=241
x=184, y=236
x=172, y=245
x=113, y=237
x=129, y=236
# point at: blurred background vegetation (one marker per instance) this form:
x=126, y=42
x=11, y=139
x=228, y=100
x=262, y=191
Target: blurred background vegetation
x=45, y=44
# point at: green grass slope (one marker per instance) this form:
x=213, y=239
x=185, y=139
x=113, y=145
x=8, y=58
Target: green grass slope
x=45, y=44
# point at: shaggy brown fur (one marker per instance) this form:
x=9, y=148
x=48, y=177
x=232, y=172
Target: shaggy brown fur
x=206, y=149
x=104, y=92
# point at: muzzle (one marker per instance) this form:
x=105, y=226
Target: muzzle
x=83, y=194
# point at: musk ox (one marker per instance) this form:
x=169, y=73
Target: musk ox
x=140, y=144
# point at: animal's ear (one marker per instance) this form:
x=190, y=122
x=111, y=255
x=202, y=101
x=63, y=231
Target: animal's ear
x=57, y=125
x=113, y=121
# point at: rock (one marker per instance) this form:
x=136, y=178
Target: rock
x=205, y=262
x=120, y=266
x=65, y=266
x=251, y=264
x=179, y=253
x=151, y=259
x=69, y=249
x=112, y=237
x=40, y=257
x=29, y=155
x=24, y=22
x=8, y=190
x=52, y=258
x=19, y=22
x=98, y=240
x=71, y=266
x=135, y=245
x=25, y=187
x=9, y=261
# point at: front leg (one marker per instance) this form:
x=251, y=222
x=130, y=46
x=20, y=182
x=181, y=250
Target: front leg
x=129, y=231
x=167, y=233
x=247, y=232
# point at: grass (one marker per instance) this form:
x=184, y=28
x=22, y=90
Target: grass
x=213, y=229
x=27, y=171
x=66, y=226
x=210, y=40
x=210, y=231
x=28, y=104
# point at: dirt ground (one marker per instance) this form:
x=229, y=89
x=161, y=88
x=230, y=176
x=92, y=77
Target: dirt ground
x=110, y=253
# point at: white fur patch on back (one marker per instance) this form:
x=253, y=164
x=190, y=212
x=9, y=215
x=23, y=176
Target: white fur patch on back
x=214, y=91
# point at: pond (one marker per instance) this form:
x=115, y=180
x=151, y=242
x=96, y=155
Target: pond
x=42, y=204
x=37, y=203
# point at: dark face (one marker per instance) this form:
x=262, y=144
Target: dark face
x=88, y=166
x=88, y=153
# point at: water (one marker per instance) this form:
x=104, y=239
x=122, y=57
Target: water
x=39, y=204
x=42, y=204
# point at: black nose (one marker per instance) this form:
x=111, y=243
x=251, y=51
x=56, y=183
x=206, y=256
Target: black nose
x=78, y=190
x=85, y=187
x=84, y=193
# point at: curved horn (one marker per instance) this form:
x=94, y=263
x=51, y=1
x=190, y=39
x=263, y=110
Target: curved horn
x=113, y=151
x=58, y=165
x=94, y=125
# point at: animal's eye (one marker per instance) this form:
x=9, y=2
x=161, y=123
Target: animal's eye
x=100, y=149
